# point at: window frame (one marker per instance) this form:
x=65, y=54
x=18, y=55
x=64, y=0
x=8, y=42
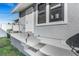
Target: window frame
x=48, y=16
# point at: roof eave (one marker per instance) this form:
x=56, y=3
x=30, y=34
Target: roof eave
x=20, y=7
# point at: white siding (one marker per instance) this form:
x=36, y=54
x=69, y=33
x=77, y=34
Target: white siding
x=22, y=23
x=16, y=27
x=62, y=31
x=27, y=21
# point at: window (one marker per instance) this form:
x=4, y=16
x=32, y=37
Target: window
x=42, y=18
x=56, y=12
x=51, y=14
x=41, y=13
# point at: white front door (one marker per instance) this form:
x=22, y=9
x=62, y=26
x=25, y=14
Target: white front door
x=29, y=21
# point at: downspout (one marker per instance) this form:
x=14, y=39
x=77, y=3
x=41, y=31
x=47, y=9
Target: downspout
x=19, y=25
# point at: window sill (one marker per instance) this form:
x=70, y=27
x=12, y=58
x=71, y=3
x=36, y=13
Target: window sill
x=52, y=23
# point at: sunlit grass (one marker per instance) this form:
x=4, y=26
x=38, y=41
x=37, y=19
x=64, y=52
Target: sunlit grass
x=6, y=49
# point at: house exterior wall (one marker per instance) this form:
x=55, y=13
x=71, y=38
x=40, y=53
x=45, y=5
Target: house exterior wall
x=63, y=31
x=18, y=45
x=22, y=24
x=54, y=31
x=16, y=27
x=27, y=20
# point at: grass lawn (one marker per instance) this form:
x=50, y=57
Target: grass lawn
x=6, y=49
